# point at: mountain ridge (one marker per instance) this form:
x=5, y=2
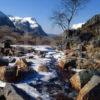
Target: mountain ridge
x=4, y=20
x=27, y=24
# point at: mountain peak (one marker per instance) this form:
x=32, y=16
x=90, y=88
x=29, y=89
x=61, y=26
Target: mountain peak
x=24, y=24
x=27, y=24
x=32, y=21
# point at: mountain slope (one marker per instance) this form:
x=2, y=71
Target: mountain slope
x=4, y=20
x=28, y=24
x=93, y=25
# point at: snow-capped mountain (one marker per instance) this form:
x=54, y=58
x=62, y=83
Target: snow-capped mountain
x=27, y=24
x=76, y=26
x=30, y=20
x=4, y=20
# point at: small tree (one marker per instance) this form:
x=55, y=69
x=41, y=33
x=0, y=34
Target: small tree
x=64, y=16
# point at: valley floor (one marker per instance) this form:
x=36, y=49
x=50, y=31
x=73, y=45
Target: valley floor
x=44, y=79
x=43, y=82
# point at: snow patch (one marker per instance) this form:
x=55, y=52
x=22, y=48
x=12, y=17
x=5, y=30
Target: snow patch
x=76, y=26
x=77, y=70
x=47, y=76
x=29, y=90
x=2, y=84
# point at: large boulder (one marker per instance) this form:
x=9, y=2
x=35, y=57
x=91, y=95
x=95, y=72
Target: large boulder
x=80, y=79
x=7, y=74
x=61, y=64
x=13, y=74
x=21, y=64
x=84, y=92
x=67, y=62
x=43, y=68
x=10, y=93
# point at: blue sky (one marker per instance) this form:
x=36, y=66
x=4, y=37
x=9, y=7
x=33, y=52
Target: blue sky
x=42, y=10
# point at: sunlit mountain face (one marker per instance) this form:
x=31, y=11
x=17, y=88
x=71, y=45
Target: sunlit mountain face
x=27, y=24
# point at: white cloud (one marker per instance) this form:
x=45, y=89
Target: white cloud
x=76, y=26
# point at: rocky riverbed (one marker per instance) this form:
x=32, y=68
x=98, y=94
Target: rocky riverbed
x=44, y=73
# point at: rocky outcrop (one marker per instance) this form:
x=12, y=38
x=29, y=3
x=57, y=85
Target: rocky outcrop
x=93, y=25
x=84, y=92
x=80, y=79
x=9, y=92
x=87, y=84
x=87, y=32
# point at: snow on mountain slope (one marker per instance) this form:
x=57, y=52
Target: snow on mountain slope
x=27, y=24
x=32, y=21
